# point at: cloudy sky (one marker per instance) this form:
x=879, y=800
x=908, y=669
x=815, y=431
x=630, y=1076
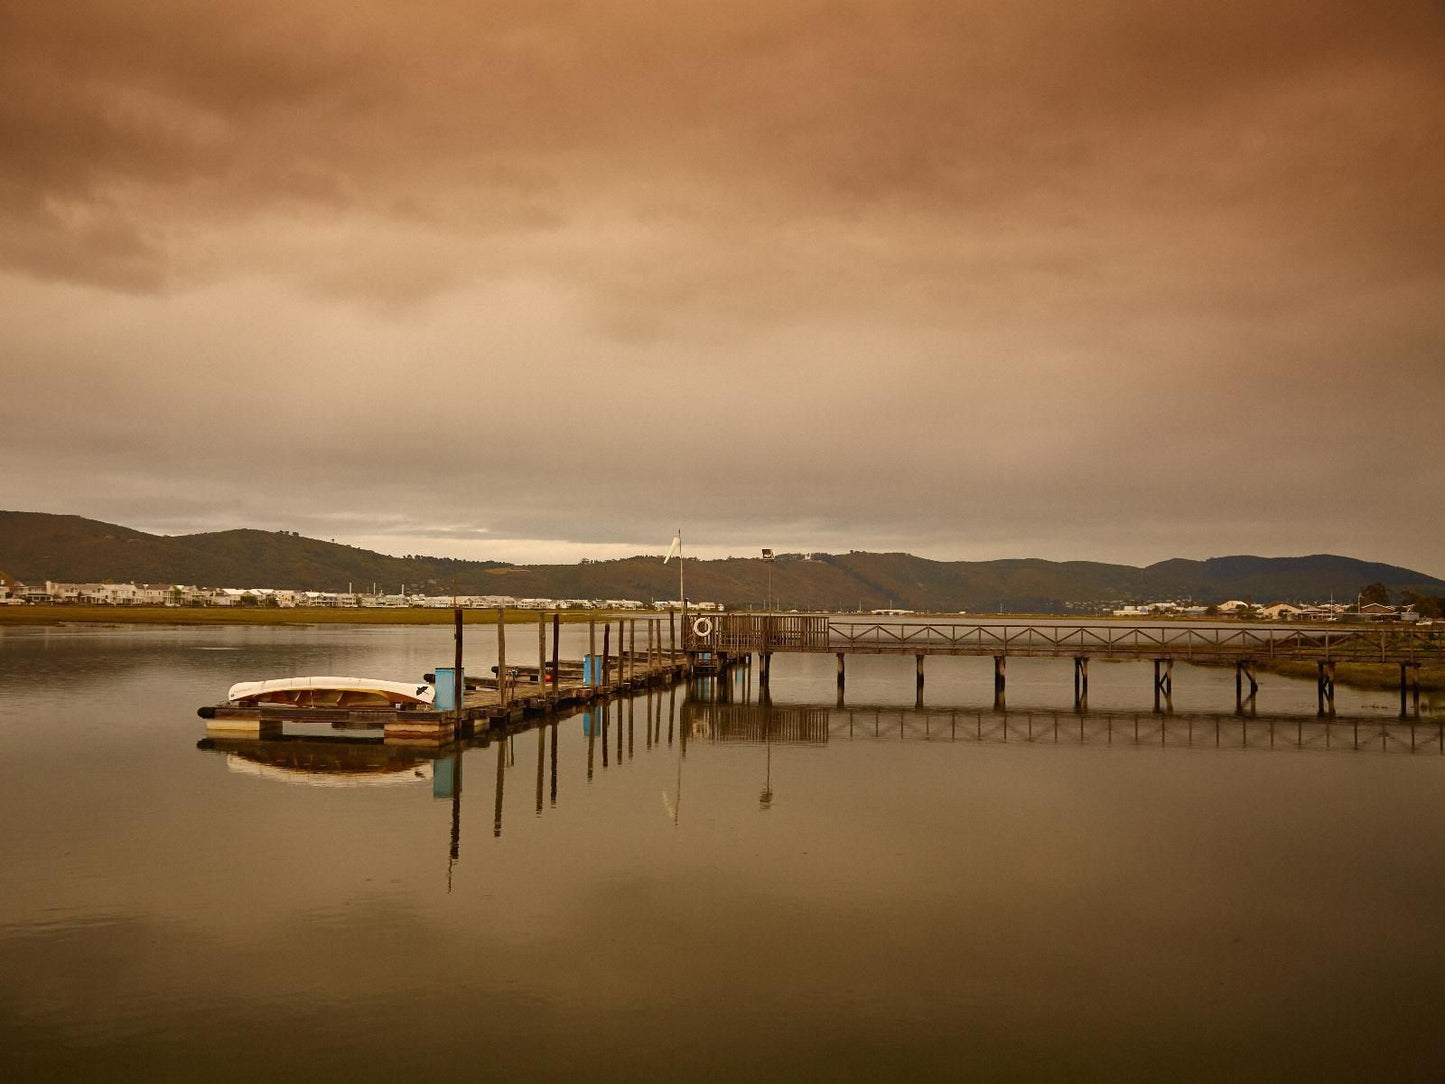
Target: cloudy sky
x=542, y=279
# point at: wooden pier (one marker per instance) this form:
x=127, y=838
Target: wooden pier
x=626, y=663
x=719, y=640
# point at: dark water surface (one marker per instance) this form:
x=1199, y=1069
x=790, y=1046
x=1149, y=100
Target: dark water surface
x=798, y=891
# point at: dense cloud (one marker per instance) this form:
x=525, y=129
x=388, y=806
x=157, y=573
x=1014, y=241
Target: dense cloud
x=1116, y=280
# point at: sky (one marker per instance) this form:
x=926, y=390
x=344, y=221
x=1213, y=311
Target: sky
x=536, y=280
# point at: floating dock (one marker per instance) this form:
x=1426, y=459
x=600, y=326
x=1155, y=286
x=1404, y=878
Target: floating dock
x=508, y=694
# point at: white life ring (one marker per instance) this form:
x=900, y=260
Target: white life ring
x=702, y=626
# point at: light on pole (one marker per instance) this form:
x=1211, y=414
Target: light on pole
x=768, y=598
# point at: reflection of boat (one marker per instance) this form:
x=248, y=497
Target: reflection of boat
x=373, y=776
x=332, y=692
x=323, y=761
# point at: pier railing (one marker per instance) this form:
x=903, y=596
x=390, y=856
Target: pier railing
x=737, y=634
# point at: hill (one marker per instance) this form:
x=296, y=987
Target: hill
x=37, y=546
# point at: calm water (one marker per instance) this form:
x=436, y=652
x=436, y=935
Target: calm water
x=794, y=891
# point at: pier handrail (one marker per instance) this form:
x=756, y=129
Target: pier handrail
x=766, y=633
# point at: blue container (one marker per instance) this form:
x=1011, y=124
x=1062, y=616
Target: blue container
x=591, y=670
x=447, y=688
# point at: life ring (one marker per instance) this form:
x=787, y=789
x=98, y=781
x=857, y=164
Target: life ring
x=702, y=626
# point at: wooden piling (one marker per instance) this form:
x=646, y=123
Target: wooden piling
x=502, y=656
x=556, y=639
x=592, y=647
x=459, y=687
x=606, y=649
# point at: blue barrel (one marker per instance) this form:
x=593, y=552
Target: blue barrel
x=447, y=688
x=591, y=670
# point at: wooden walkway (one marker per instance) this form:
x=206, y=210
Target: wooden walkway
x=766, y=634
x=718, y=640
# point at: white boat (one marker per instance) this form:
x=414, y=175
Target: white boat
x=333, y=692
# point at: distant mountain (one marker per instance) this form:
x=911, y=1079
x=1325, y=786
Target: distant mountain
x=36, y=546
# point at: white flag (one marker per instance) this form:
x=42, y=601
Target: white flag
x=674, y=550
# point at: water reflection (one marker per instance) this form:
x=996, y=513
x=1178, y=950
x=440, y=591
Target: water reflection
x=717, y=711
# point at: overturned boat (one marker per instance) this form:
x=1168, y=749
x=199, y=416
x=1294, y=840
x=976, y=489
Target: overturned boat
x=332, y=692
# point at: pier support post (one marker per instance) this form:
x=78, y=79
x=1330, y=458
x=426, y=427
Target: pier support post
x=1326, y=686
x=632, y=647
x=765, y=668
x=542, y=655
x=841, y=672
x=1409, y=689
x=1164, y=684
x=606, y=651
x=672, y=635
x=556, y=654
x=998, y=674
x=1244, y=671
x=592, y=646
x=502, y=655
x=460, y=685
x=1081, y=682
x=918, y=671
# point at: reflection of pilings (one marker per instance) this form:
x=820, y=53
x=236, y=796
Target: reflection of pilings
x=554, y=764
x=541, y=760
x=671, y=712
x=456, y=848
x=755, y=723
x=501, y=773
x=1195, y=731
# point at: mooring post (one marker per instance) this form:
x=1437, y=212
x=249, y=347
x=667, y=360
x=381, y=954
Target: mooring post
x=1326, y=686
x=841, y=670
x=918, y=671
x=1081, y=681
x=1410, y=683
x=542, y=655
x=632, y=646
x=998, y=674
x=460, y=687
x=672, y=634
x=501, y=655
x=651, y=651
x=556, y=661
x=592, y=648
x=606, y=650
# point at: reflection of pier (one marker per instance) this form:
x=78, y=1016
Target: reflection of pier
x=755, y=723
x=1117, y=728
x=609, y=740
x=733, y=636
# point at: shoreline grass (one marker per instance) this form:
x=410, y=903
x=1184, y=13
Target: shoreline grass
x=14, y=616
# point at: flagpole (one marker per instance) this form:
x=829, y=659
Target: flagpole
x=681, y=593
